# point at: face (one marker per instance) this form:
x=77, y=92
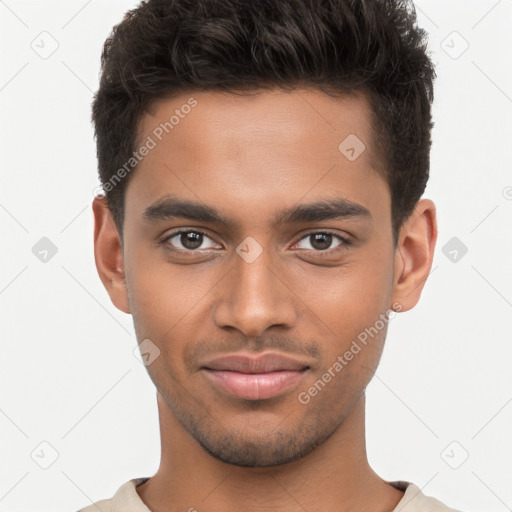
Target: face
x=248, y=228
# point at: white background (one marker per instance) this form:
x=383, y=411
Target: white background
x=68, y=373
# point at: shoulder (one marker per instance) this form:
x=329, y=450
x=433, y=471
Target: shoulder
x=126, y=498
x=414, y=500
x=99, y=506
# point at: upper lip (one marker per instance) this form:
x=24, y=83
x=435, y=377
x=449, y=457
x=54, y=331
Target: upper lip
x=262, y=363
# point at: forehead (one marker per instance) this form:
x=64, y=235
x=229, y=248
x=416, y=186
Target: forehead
x=272, y=146
x=297, y=119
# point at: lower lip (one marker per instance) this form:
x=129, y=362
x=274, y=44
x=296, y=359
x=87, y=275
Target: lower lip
x=255, y=386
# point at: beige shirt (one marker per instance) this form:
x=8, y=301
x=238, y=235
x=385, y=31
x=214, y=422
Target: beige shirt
x=126, y=499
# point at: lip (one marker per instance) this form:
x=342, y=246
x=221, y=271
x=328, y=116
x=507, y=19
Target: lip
x=255, y=386
x=245, y=362
x=250, y=377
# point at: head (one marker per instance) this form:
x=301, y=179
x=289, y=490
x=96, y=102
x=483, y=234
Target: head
x=291, y=143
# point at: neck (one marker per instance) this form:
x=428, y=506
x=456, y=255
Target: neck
x=335, y=476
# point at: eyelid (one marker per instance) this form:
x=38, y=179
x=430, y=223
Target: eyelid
x=186, y=230
x=345, y=240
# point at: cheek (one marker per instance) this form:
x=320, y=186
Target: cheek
x=169, y=305
x=163, y=294
x=349, y=298
x=354, y=305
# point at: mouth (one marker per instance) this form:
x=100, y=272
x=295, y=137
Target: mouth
x=255, y=376
x=255, y=386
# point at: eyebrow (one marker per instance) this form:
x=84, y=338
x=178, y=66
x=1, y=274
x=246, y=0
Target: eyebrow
x=170, y=207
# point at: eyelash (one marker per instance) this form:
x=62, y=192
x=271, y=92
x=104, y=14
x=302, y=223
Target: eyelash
x=344, y=241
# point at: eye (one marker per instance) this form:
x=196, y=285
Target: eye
x=187, y=240
x=192, y=240
x=321, y=241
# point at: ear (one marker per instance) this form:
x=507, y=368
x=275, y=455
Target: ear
x=108, y=254
x=414, y=254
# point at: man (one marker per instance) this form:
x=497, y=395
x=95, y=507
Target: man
x=263, y=164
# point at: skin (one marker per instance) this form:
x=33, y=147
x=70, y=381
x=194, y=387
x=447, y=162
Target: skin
x=249, y=157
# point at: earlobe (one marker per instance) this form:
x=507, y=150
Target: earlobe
x=108, y=254
x=414, y=254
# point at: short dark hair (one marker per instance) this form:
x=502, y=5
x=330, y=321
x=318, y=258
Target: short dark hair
x=167, y=47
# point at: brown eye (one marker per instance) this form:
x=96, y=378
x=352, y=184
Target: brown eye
x=189, y=240
x=323, y=241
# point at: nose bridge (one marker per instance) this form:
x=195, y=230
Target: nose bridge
x=254, y=297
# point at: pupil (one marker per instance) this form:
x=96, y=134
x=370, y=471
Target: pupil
x=191, y=240
x=321, y=241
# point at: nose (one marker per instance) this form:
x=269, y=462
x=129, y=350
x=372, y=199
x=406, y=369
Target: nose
x=255, y=296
